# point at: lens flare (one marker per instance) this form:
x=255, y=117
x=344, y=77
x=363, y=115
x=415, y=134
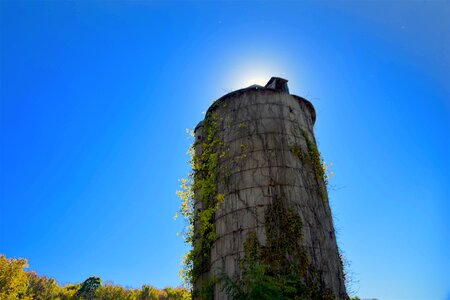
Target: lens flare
x=250, y=70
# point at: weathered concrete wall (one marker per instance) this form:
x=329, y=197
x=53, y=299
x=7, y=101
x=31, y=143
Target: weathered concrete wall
x=259, y=128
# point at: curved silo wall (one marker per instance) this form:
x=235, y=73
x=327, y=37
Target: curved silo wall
x=268, y=170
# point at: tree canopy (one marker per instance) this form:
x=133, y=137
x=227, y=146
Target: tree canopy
x=18, y=283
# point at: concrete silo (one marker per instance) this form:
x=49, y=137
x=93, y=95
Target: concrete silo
x=260, y=200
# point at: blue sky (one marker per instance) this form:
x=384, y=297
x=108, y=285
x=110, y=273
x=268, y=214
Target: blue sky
x=96, y=96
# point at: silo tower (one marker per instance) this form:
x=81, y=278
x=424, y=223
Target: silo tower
x=262, y=220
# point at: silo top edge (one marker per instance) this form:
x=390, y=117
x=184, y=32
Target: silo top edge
x=253, y=89
x=309, y=105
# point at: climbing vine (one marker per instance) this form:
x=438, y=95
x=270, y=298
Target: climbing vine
x=200, y=200
x=280, y=269
x=313, y=157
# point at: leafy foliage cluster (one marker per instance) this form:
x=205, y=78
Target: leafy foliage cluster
x=16, y=283
x=202, y=182
x=280, y=269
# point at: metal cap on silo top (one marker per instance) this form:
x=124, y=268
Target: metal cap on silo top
x=278, y=83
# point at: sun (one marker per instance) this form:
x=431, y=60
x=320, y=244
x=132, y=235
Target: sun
x=261, y=80
x=259, y=73
x=247, y=68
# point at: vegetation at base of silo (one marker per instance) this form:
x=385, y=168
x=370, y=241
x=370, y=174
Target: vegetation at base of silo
x=17, y=283
x=280, y=269
x=255, y=282
x=201, y=185
x=206, y=290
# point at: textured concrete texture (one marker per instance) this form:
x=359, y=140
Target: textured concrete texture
x=259, y=128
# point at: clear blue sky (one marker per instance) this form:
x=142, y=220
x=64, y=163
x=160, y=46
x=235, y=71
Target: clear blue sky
x=96, y=97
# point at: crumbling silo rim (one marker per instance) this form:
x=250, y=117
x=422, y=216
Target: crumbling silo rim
x=255, y=88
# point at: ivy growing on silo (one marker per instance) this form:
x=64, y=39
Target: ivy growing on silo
x=312, y=157
x=200, y=200
x=280, y=269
